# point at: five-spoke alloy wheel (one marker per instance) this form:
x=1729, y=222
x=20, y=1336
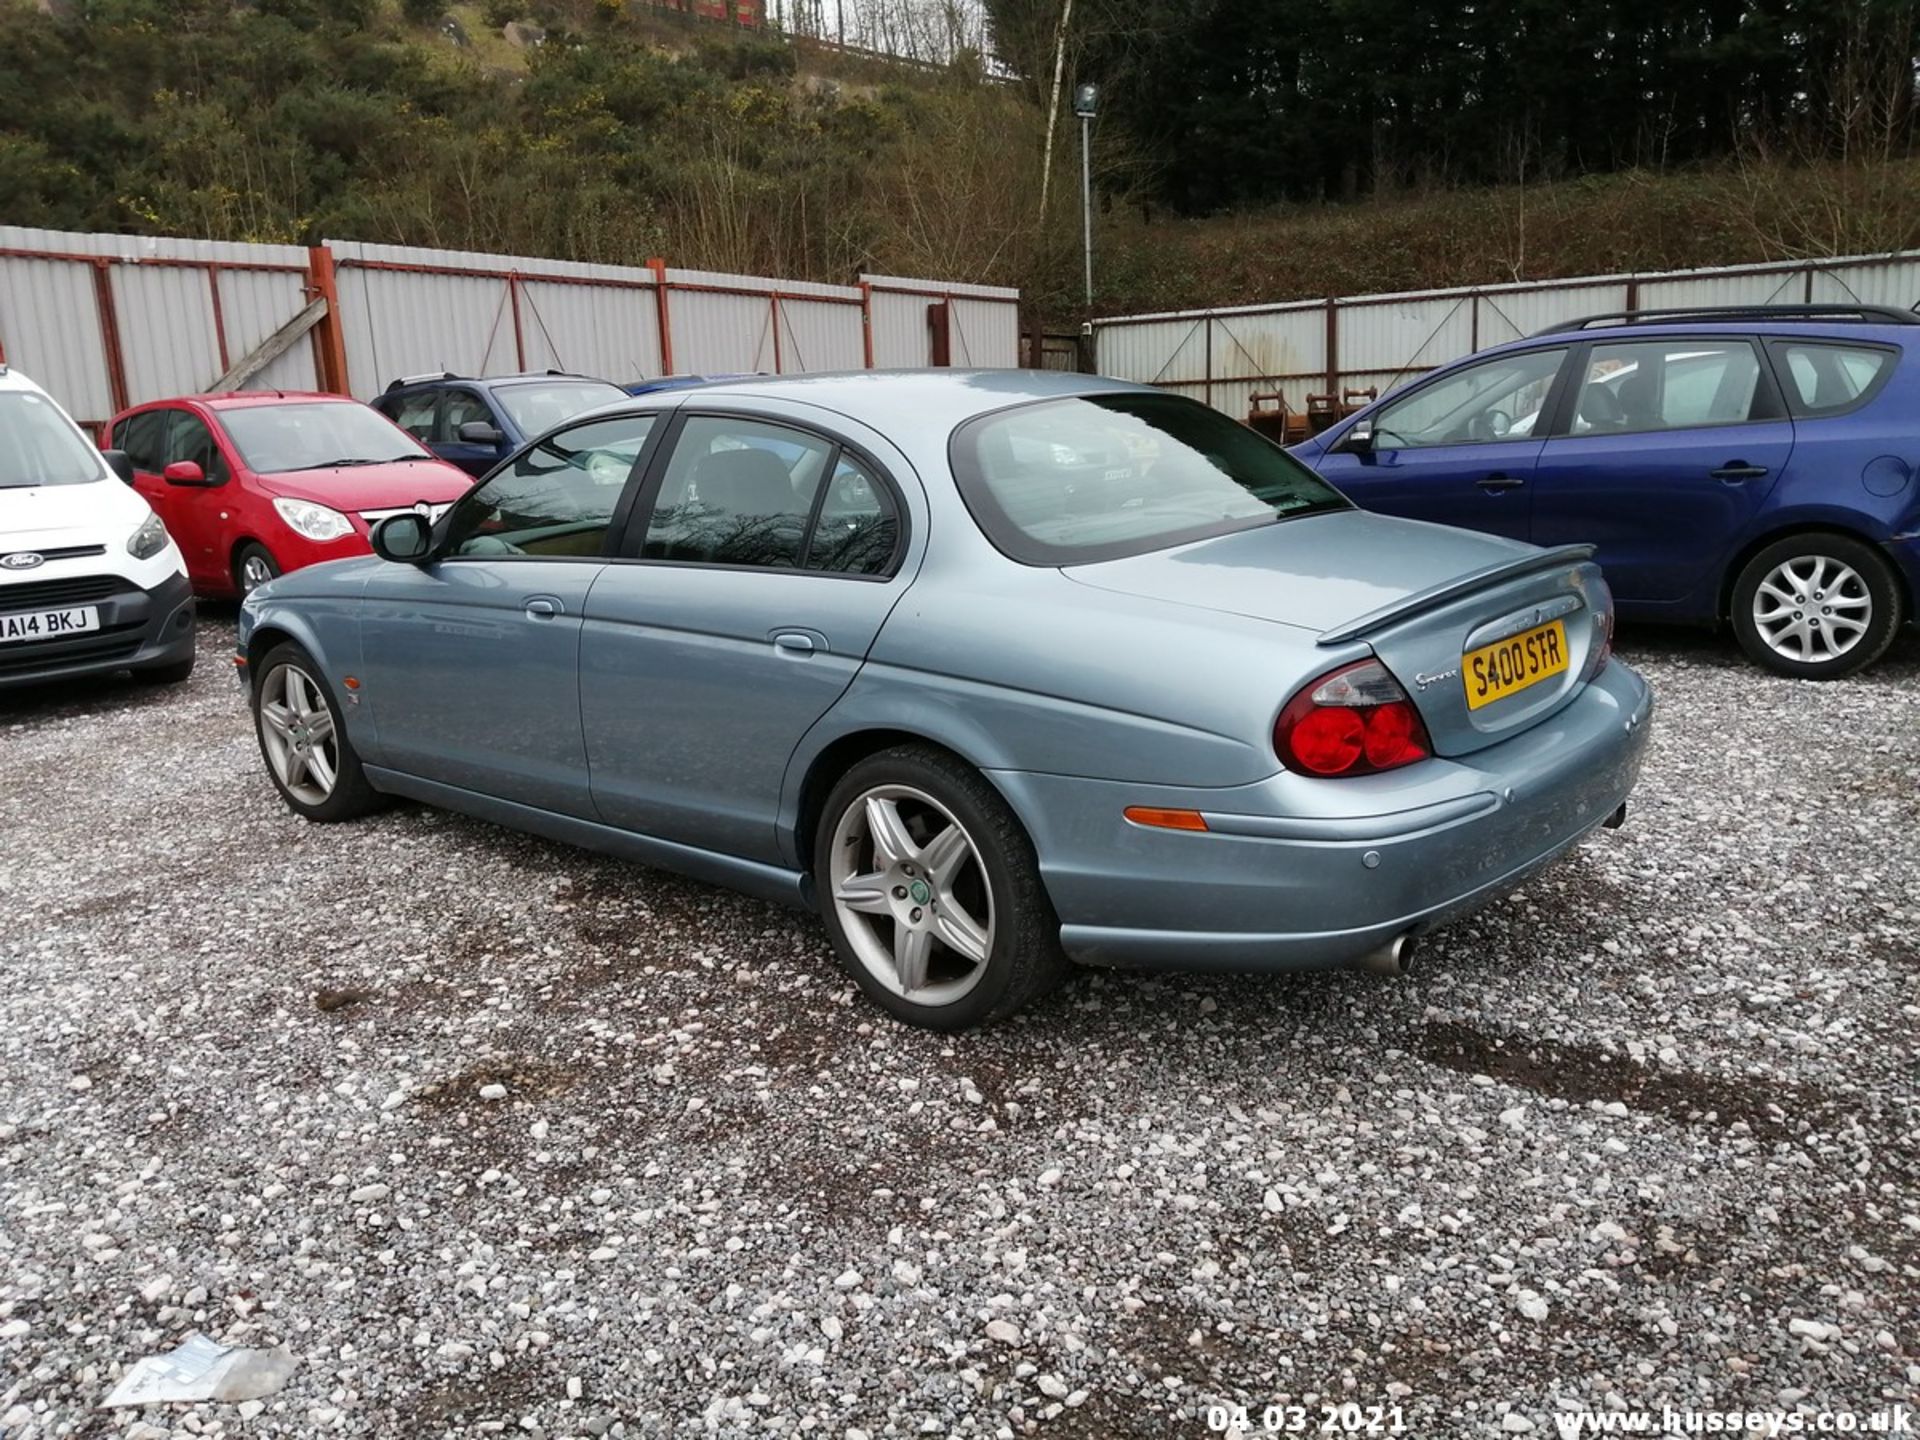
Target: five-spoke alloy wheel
x=309, y=756
x=1816, y=606
x=931, y=892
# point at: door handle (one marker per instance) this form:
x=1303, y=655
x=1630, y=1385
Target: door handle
x=793, y=642
x=1495, y=483
x=541, y=607
x=1734, y=471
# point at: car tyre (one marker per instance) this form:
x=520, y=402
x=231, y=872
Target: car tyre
x=174, y=674
x=1817, y=606
x=303, y=739
x=904, y=833
x=253, y=566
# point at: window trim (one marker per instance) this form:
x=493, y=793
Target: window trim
x=622, y=507
x=1776, y=346
x=1549, y=408
x=634, y=535
x=1767, y=408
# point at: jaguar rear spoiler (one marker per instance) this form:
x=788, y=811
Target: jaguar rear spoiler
x=1434, y=596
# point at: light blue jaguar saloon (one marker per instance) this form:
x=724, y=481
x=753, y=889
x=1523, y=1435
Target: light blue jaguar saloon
x=998, y=670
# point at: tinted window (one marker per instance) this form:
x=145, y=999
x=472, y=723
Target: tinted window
x=556, y=499
x=189, y=439
x=1100, y=476
x=414, y=413
x=1500, y=399
x=315, y=435
x=144, y=438
x=1825, y=379
x=1666, y=385
x=40, y=446
x=857, y=528
x=539, y=406
x=737, y=492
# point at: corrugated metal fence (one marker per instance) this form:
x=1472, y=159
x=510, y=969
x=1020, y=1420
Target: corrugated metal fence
x=105, y=321
x=1378, y=341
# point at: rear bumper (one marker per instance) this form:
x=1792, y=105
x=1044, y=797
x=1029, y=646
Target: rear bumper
x=139, y=629
x=1266, y=891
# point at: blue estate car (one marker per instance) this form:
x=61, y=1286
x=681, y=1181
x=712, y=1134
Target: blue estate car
x=996, y=669
x=1754, y=466
x=478, y=423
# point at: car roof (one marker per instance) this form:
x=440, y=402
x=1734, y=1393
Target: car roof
x=883, y=398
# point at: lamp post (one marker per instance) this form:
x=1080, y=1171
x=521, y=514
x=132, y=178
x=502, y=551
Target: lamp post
x=1085, y=102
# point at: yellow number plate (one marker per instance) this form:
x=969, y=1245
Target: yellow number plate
x=1494, y=672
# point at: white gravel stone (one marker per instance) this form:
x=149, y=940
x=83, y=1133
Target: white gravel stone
x=1663, y=1094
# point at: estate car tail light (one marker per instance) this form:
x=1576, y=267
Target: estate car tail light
x=1352, y=721
x=1602, y=649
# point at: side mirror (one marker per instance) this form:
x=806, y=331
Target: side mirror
x=1358, y=440
x=120, y=463
x=479, y=432
x=184, y=472
x=403, y=539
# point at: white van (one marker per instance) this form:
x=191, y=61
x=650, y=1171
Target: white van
x=89, y=579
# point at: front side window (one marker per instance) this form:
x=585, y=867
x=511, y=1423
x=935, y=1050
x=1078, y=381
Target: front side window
x=540, y=405
x=1827, y=379
x=1096, y=477
x=316, y=435
x=40, y=446
x=1666, y=385
x=188, y=438
x=557, y=499
x=1500, y=399
x=737, y=492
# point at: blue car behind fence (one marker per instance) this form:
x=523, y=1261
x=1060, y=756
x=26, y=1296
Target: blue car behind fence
x=1747, y=466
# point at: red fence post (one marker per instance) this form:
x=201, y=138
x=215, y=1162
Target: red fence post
x=519, y=337
x=661, y=308
x=110, y=333
x=219, y=319
x=329, y=335
x=1333, y=348
x=866, y=322
x=939, y=333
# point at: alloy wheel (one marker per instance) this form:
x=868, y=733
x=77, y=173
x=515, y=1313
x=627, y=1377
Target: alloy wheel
x=1812, y=608
x=299, y=736
x=255, y=571
x=911, y=894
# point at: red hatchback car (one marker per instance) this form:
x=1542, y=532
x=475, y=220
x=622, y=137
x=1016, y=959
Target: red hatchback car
x=253, y=483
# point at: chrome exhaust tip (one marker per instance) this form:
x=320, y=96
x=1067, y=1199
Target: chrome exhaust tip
x=1393, y=958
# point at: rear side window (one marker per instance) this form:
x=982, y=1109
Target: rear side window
x=737, y=492
x=1828, y=379
x=144, y=438
x=857, y=528
x=414, y=413
x=1667, y=385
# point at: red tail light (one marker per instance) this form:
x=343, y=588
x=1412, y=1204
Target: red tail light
x=1352, y=721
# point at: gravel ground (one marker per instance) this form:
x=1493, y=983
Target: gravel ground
x=499, y=1135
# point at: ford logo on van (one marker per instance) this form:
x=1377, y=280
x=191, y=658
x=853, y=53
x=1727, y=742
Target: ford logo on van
x=22, y=560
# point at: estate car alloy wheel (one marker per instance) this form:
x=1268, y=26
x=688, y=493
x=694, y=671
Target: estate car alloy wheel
x=1816, y=606
x=931, y=891
x=309, y=756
